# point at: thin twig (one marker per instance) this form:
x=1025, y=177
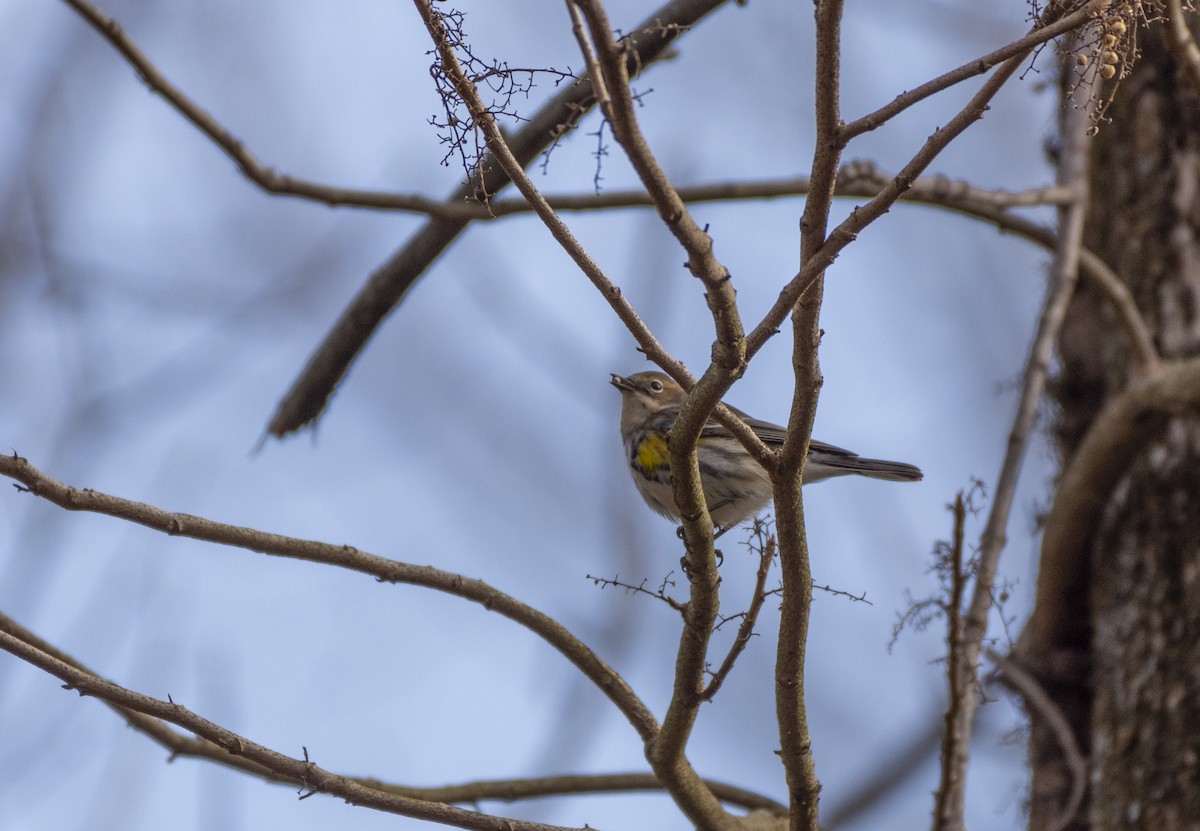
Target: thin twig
x=312, y=778
x=795, y=568
x=978, y=66
x=959, y=681
x=849, y=229
x=343, y=556
x=1063, y=277
x=503, y=790
x=665, y=750
x=310, y=392
x=660, y=594
x=595, y=75
x=1038, y=699
x=766, y=555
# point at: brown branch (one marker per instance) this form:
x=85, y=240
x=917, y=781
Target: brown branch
x=312, y=778
x=795, y=568
x=849, y=229
x=1038, y=699
x=388, y=285
x=856, y=178
x=927, y=190
x=863, y=178
x=503, y=790
x=1017, y=49
x=1063, y=277
x=1182, y=44
x=608, y=57
x=262, y=175
x=1123, y=430
x=501, y=152
x=766, y=555
x=344, y=556
x=728, y=363
x=511, y=790
x=959, y=682
x=664, y=751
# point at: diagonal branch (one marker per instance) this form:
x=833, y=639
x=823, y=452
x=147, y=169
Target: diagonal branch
x=978, y=66
x=311, y=777
x=1063, y=277
x=813, y=267
x=606, y=56
x=766, y=555
x=1121, y=431
x=1040, y=701
x=503, y=790
x=262, y=175
x=388, y=285
x=344, y=556
x=665, y=748
x=1183, y=44
x=795, y=568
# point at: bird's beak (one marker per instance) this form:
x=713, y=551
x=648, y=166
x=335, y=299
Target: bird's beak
x=621, y=382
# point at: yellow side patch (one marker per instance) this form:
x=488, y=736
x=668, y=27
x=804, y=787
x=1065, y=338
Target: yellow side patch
x=652, y=453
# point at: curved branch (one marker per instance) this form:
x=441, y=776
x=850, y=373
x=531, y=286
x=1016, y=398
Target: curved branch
x=1183, y=44
x=1017, y=49
x=311, y=777
x=1063, y=278
x=1038, y=699
x=254, y=170
x=502, y=790
x=343, y=556
x=865, y=215
x=388, y=285
x=766, y=556
x=1120, y=433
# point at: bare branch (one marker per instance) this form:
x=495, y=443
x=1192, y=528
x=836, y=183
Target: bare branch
x=630, y=588
x=1064, y=274
x=1018, y=48
x=795, y=569
x=1183, y=44
x=343, y=556
x=766, y=555
x=312, y=778
x=728, y=363
x=960, y=682
x=665, y=750
x=503, y=790
x=254, y=170
x=1038, y=699
x=511, y=790
x=1124, y=429
x=812, y=268
x=388, y=285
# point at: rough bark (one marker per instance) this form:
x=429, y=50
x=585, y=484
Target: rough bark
x=1127, y=673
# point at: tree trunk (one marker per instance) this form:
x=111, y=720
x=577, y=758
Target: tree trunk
x=1126, y=671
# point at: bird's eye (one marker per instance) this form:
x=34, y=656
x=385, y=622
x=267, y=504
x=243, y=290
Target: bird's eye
x=656, y=386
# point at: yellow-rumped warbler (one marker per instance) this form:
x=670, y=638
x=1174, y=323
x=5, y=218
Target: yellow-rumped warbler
x=735, y=486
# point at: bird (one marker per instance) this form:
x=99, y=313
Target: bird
x=736, y=487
